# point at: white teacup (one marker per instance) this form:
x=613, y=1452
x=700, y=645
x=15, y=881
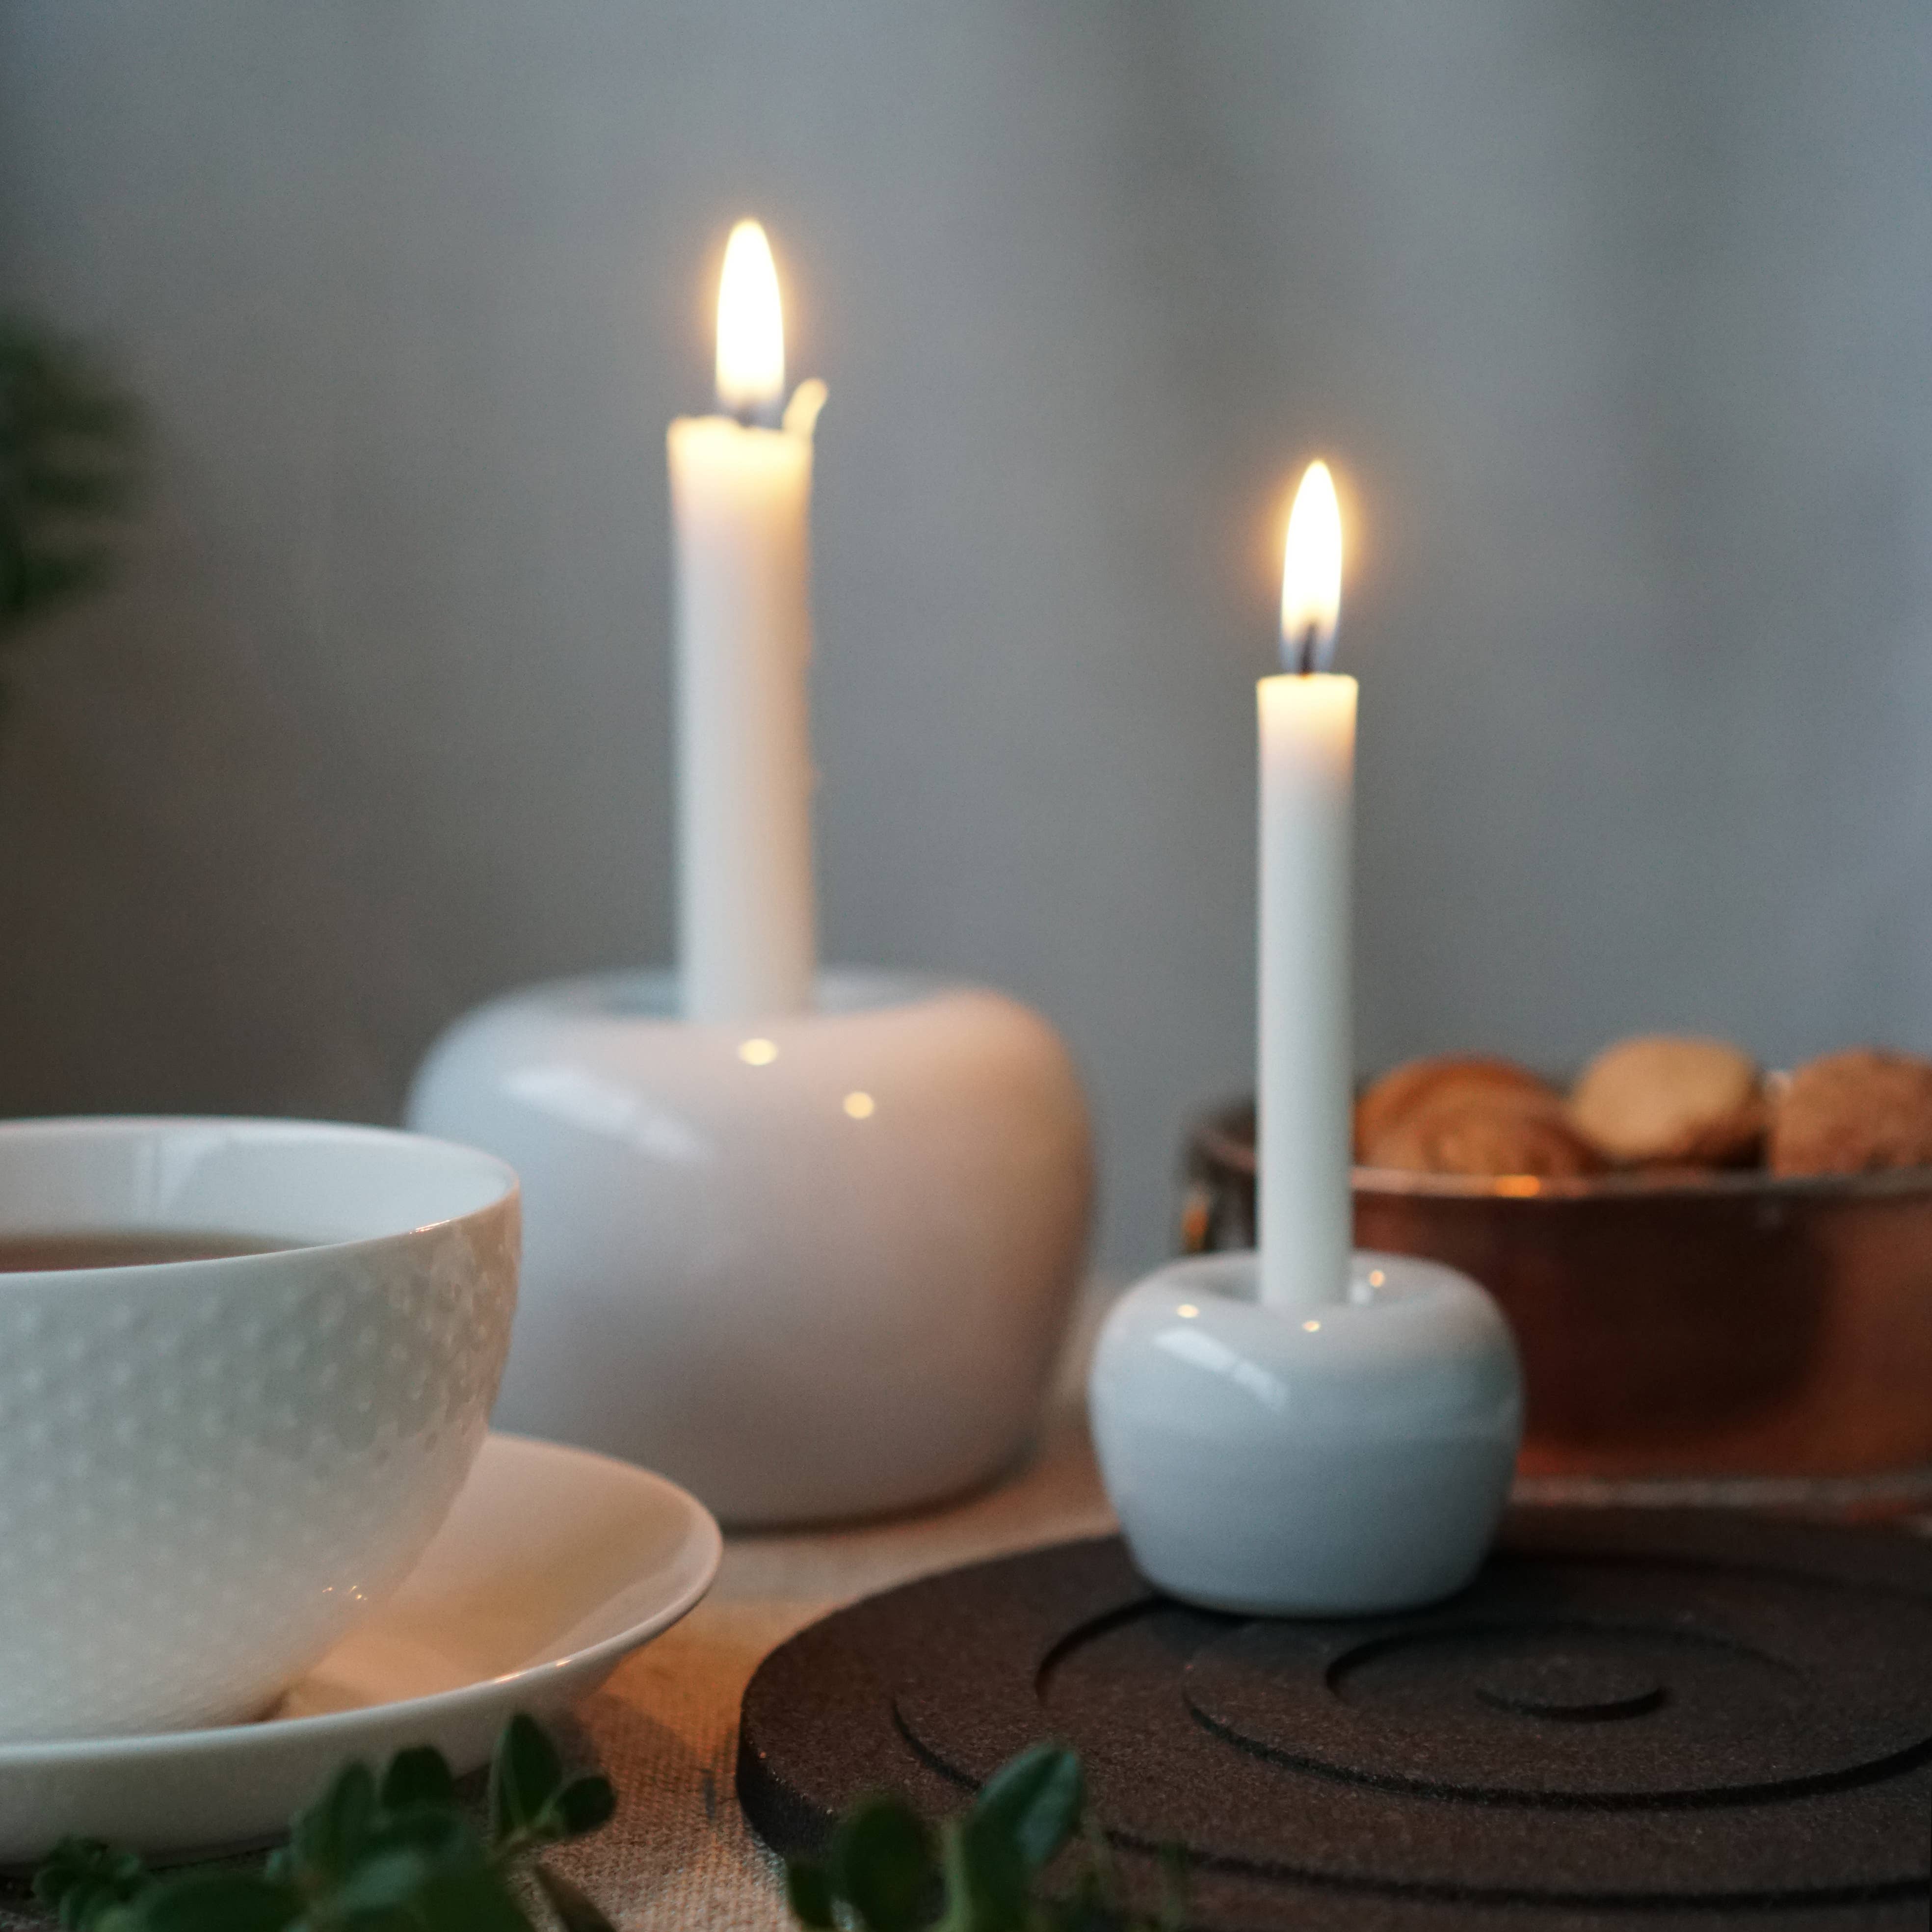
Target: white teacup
x=211, y=1469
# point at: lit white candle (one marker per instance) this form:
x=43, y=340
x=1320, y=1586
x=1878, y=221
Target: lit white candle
x=741, y=500
x=1306, y=1071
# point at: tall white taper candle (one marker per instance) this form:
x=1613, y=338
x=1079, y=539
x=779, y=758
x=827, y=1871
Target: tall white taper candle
x=1306, y=1070
x=741, y=498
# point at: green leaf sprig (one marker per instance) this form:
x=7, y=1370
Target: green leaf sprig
x=69, y=469
x=887, y=1871
x=396, y=1854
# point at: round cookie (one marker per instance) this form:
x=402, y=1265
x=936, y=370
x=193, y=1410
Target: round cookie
x=1502, y=1131
x=1858, y=1112
x=1669, y=1100
x=1416, y=1083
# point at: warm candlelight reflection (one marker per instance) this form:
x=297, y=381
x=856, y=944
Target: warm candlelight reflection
x=751, y=327
x=1311, y=576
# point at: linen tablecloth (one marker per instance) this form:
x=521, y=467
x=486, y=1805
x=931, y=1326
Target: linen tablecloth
x=665, y=1727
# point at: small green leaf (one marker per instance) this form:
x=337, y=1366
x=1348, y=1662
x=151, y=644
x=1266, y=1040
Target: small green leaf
x=1034, y=1803
x=400, y=1860
x=586, y=1804
x=441, y=1833
x=324, y=1839
x=524, y=1776
x=809, y=1892
x=576, y=1911
x=403, y=1854
x=987, y=1882
x=82, y=1879
x=216, y=1902
x=384, y=1881
x=1096, y=1902
x=469, y=1901
x=882, y=1865
x=422, y=1776
x=70, y=465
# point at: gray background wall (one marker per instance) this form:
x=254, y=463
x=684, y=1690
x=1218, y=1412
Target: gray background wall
x=1613, y=316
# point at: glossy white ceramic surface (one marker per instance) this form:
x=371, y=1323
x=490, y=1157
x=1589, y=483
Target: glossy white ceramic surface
x=815, y=1268
x=1325, y=1462
x=552, y=1566
x=210, y=1470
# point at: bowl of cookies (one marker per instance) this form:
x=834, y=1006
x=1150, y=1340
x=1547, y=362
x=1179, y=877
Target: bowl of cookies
x=1719, y=1277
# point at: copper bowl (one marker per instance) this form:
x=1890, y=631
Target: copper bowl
x=1701, y=1326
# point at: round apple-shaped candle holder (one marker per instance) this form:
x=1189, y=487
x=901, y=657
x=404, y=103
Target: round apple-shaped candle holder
x=1334, y=1459
x=812, y=1266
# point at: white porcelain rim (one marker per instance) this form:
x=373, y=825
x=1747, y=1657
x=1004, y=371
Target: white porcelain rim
x=842, y=992
x=79, y=1126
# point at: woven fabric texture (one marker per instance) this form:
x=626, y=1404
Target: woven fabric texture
x=679, y=1853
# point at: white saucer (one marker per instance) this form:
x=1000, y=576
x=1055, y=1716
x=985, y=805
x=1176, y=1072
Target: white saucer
x=553, y=1565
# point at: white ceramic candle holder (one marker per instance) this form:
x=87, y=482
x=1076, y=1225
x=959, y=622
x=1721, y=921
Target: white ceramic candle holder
x=815, y=1266
x=1326, y=1461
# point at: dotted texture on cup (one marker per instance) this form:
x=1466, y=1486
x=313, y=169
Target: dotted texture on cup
x=207, y=1472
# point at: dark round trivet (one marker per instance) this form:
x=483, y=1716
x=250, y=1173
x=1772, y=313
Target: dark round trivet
x=1631, y=1722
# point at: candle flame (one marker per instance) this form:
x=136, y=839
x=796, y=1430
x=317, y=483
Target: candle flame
x=751, y=327
x=1311, y=575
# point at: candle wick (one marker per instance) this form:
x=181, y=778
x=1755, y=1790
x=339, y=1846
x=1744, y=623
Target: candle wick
x=762, y=414
x=1303, y=661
